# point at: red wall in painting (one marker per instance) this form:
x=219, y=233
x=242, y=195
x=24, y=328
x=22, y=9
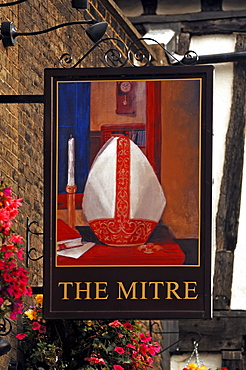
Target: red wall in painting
x=180, y=155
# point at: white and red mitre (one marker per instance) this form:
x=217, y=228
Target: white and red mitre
x=123, y=199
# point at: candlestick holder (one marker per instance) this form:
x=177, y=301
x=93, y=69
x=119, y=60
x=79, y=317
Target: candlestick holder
x=71, y=190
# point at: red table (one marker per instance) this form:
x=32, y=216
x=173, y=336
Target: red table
x=103, y=255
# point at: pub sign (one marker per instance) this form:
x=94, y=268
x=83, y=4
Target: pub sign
x=128, y=193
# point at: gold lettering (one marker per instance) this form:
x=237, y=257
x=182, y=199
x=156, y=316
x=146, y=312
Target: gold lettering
x=173, y=291
x=126, y=294
x=101, y=290
x=143, y=289
x=65, y=284
x=187, y=289
x=156, y=291
x=78, y=290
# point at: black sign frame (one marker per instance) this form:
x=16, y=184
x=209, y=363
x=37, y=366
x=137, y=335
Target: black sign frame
x=124, y=292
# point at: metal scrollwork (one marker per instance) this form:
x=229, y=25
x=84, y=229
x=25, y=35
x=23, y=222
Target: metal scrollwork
x=174, y=332
x=28, y=249
x=190, y=58
x=139, y=58
x=115, y=56
x=66, y=60
x=5, y=326
x=118, y=54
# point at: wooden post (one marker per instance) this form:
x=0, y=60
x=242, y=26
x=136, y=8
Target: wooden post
x=233, y=360
x=230, y=193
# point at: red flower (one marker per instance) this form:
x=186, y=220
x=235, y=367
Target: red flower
x=95, y=360
x=21, y=336
x=119, y=350
x=16, y=239
x=118, y=367
x=115, y=324
x=131, y=346
x=144, y=338
x=128, y=325
x=13, y=315
x=36, y=325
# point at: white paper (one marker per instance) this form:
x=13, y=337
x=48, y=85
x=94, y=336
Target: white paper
x=76, y=252
x=70, y=243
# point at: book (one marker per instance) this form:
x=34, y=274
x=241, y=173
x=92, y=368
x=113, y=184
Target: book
x=67, y=237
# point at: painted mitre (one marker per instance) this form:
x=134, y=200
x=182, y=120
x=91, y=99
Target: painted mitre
x=123, y=199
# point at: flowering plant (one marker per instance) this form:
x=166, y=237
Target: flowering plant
x=13, y=278
x=84, y=344
x=194, y=366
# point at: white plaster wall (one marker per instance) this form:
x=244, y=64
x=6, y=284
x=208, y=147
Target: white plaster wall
x=223, y=79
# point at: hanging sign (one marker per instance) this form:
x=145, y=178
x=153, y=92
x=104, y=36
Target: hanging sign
x=128, y=193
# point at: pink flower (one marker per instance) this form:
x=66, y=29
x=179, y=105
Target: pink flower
x=14, y=278
x=118, y=367
x=115, y=324
x=17, y=307
x=145, y=338
x=143, y=349
x=119, y=350
x=21, y=336
x=150, y=361
x=16, y=239
x=10, y=290
x=8, y=278
x=8, y=255
x=157, y=347
x=4, y=215
x=95, y=360
x=13, y=315
x=130, y=346
x=36, y=325
x=151, y=350
x=128, y=325
x=92, y=360
x=7, y=191
x=20, y=254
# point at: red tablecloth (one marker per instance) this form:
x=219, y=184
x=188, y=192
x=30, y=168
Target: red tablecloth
x=103, y=255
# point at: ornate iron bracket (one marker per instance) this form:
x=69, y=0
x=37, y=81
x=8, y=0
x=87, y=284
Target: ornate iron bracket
x=119, y=54
x=28, y=249
x=5, y=326
x=173, y=332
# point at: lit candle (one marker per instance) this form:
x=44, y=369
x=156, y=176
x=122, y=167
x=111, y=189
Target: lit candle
x=71, y=162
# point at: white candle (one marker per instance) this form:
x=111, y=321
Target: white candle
x=71, y=162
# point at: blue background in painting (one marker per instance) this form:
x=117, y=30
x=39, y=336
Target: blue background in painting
x=73, y=119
